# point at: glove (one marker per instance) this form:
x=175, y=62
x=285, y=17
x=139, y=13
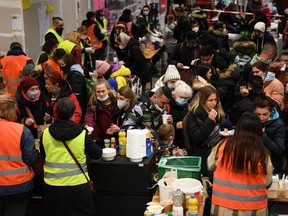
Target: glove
x=90, y=50
x=104, y=31
x=89, y=129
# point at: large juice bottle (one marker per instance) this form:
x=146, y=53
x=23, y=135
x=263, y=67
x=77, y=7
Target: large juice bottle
x=122, y=142
x=192, y=203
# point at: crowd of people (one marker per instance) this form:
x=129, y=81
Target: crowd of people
x=210, y=85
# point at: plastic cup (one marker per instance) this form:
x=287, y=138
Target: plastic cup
x=165, y=118
x=107, y=143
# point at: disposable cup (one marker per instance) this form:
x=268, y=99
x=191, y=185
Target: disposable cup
x=165, y=118
x=107, y=143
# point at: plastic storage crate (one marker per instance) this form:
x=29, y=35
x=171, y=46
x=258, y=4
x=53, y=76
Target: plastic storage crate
x=186, y=166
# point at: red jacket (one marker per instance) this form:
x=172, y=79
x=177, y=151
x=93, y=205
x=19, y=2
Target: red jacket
x=66, y=92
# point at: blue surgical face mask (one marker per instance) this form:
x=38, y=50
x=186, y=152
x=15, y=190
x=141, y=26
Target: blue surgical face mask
x=103, y=99
x=181, y=101
x=33, y=94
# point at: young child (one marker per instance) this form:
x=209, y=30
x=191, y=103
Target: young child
x=166, y=135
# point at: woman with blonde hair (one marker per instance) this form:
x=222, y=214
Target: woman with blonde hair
x=201, y=126
x=18, y=155
x=72, y=46
x=102, y=112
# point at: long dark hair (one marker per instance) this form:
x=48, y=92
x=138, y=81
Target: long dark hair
x=245, y=149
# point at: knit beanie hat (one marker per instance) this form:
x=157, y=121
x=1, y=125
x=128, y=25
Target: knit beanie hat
x=260, y=26
x=113, y=83
x=102, y=67
x=28, y=70
x=171, y=74
x=26, y=83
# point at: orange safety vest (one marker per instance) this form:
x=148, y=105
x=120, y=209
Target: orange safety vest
x=239, y=191
x=94, y=40
x=54, y=64
x=13, y=170
x=12, y=67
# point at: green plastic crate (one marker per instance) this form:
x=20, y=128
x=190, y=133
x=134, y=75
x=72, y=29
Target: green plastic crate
x=187, y=166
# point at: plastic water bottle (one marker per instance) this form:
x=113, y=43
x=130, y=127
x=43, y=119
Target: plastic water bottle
x=177, y=203
x=192, y=206
x=122, y=143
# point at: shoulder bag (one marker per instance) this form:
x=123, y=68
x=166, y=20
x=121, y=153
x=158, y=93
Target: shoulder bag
x=90, y=182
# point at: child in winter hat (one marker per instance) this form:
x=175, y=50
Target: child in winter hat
x=102, y=67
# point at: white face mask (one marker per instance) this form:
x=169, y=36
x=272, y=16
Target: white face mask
x=195, y=29
x=121, y=104
x=157, y=106
x=146, y=13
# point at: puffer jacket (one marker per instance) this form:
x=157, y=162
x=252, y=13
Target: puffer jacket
x=274, y=139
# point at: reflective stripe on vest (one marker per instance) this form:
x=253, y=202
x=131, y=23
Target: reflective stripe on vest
x=65, y=174
x=63, y=165
x=10, y=158
x=94, y=40
x=59, y=38
x=105, y=23
x=239, y=186
x=13, y=171
x=67, y=46
x=239, y=198
x=12, y=67
x=239, y=191
x=59, y=168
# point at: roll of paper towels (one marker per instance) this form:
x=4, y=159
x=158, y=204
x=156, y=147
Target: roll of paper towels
x=136, y=144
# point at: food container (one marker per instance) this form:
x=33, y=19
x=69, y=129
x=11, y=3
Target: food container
x=108, y=154
x=156, y=209
x=186, y=166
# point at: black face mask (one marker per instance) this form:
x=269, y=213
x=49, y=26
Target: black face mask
x=59, y=31
x=65, y=68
